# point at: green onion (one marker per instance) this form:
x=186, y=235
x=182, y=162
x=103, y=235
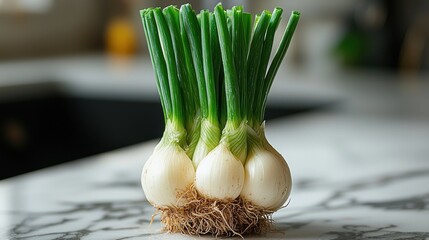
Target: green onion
x=267, y=172
x=213, y=75
x=169, y=153
x=199, y=40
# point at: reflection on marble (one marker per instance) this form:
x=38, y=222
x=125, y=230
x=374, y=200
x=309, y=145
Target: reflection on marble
x=353, y=179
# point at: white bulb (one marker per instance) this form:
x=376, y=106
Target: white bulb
x=220, y=175
x=167, y=172
x=268, y=181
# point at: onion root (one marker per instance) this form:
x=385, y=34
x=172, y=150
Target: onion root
x=201, y=216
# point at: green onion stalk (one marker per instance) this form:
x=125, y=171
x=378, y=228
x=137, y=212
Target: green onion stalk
x=267, y=172
x=198, y=36
x=169, y=159
x=214, y=171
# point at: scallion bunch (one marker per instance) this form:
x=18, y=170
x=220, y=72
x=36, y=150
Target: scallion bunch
x=213, y=170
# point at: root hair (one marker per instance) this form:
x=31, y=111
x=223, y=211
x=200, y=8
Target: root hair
x=200, y=216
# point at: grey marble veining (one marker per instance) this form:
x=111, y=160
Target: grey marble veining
x=354, y=178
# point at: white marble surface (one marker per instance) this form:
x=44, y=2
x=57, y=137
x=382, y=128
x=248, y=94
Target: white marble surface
x=360, y=170
x=354, y=178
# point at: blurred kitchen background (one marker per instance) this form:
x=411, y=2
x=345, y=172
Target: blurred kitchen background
x=76, y=80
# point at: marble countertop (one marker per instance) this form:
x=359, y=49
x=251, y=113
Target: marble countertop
x=360, y=171
x=354, y=178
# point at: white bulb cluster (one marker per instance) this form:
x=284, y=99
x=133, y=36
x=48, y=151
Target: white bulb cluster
x=264, y=180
